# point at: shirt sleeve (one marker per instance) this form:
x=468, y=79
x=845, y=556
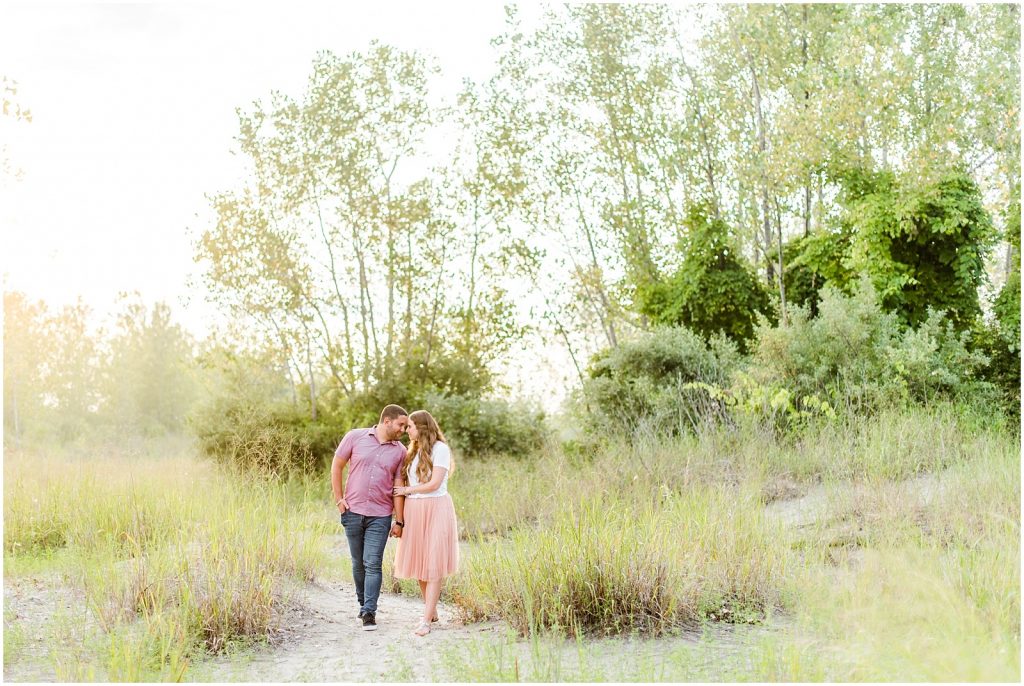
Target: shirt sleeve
x=442, y=456
x=344, y=451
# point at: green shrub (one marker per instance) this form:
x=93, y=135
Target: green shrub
x=265, y=441
x=923, y=241
x=857, y=357
x=647, y=379
x=477, y=426
x=935, y=360
x=814, y=261
x=280, y=441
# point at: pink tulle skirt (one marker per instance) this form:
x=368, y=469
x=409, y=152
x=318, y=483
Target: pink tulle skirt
x=429, y=547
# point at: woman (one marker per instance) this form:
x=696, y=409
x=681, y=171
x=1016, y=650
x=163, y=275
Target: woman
x=429, y=547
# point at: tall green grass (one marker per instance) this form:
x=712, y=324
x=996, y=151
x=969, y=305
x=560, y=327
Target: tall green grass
x=660, y=532
x=911, y=569
x=605, y=565
x=494, y=497
x=175, y=557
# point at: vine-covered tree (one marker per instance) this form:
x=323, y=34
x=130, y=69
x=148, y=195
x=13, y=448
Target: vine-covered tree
x=715, y=290
x=922, y=241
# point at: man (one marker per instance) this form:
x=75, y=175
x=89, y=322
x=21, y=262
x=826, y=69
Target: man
x=366, y=501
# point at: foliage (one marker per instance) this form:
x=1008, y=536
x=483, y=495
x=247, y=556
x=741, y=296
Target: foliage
x=770, y=404
x=923, y=241
x=644, y=379
x=857, y=356
x=266, y=442
x=249, y=421
x=1003, y=369
x=816, y=260
x=342, y=245
x=65, y=375
x=479, y=426
x=26, y=348
x=1007, y=303
x=1000, y=340
x=713, y=291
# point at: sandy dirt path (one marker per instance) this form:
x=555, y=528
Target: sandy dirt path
x=322, y=639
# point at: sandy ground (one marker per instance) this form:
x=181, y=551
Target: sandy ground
x=324, y=641
x=812, y=507
x=34, y=608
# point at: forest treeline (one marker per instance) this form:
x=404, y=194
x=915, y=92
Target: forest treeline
x=749, y=180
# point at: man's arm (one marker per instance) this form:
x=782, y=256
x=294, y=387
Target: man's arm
x=341, y=458
x=399, y=501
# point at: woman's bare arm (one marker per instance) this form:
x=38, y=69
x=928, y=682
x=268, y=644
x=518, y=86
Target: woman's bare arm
x=436, y=479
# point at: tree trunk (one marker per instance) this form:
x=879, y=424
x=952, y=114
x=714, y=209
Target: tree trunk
x=767, y=236
x=391, y=288
x=782, y=273
x=762, y=146
x=807, y=207
x=467, y=320
x=408, y=278
x=607, y=322
x=807, y=103
x=702, y=127
x=14, y=402
x=312, y=380
x=433, y=312
x=349, y=358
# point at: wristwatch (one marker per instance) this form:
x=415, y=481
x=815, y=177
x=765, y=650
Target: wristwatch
x=401, y=524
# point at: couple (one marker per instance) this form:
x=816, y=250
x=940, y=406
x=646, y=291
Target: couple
x=383, y=478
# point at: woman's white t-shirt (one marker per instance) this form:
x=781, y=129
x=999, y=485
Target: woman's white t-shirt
x=441, y=456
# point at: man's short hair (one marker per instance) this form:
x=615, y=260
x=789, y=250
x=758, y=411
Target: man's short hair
x=392, y=412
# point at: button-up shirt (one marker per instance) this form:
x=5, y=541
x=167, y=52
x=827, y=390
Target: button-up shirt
x=373, y=467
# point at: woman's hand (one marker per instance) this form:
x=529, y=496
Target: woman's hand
x=402, y=490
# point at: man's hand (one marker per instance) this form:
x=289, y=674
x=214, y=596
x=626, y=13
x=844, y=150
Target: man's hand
x=396, y=531
x=342, y=506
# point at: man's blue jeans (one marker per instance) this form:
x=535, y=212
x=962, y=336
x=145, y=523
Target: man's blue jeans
x=367, y=537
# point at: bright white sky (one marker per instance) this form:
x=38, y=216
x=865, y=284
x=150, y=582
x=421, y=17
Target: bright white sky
x=134, y=116
x=133, y=109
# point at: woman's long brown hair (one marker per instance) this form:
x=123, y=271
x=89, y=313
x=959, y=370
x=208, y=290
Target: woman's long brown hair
x=429, y=433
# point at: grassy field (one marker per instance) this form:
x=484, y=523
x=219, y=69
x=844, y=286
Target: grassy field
x=173, y=558
x=605, y=561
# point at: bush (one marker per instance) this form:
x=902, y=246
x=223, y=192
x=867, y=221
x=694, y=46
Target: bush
x=1003, y=369
x=265, y=441
x=477, y=426
x=857, y=356
x=814, y=261
x=280, y=441
x=646, y=379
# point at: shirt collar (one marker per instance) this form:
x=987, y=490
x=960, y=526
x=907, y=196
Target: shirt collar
x=373, y=432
